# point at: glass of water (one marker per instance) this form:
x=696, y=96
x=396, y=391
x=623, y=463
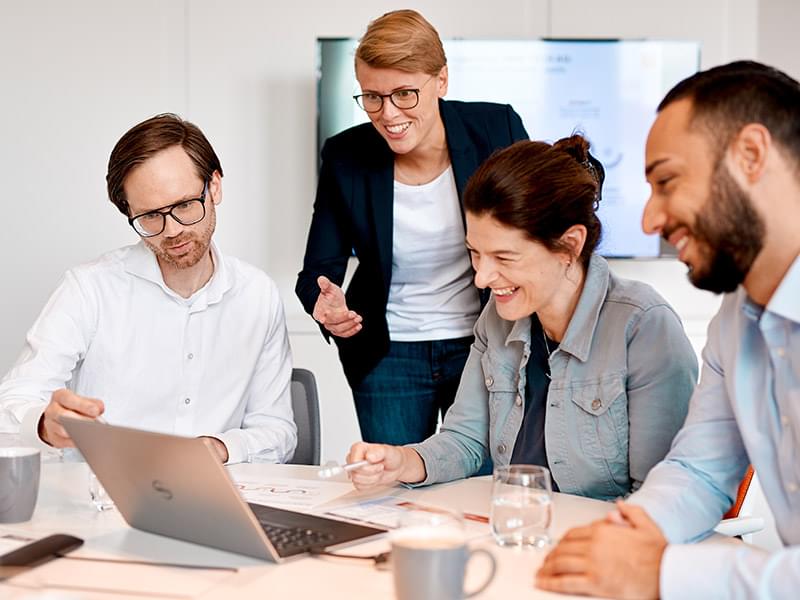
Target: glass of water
x=100, y=498
x=522, y=506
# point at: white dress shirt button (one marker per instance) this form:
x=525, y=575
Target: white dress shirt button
x=489, y=381
x=518, y=401
x=501, y=449
x=187, y=401
x=596, y=403
x=190, y=356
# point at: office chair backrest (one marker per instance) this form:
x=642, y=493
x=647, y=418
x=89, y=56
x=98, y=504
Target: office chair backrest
x=305, y=404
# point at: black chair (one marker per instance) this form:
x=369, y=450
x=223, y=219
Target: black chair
x=305, y=404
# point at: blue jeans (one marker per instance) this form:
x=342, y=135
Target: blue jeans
x=399, y=402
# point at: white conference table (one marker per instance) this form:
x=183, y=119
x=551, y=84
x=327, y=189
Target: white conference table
x=64, y=507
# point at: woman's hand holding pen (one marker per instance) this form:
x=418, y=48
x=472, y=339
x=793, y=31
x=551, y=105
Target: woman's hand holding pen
x=387, y=465
x=331, y=310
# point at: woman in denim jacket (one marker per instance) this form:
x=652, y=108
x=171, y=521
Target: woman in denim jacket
x=572, y=367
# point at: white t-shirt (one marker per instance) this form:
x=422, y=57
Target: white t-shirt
x=217, y=363
x=431, y=296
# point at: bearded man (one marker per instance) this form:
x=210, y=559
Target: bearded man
x=723, y=162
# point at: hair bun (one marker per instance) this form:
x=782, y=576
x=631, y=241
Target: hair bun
x=577, y=147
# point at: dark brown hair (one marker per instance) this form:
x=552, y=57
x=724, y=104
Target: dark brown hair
x=726, y=98
x=541, y=189
x=404, y=40
x=150, y=137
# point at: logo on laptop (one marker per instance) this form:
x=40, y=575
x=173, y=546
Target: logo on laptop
x=162, y=489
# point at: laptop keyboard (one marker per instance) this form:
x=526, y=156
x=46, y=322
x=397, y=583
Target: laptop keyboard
x=294, y=533
x=294, y=540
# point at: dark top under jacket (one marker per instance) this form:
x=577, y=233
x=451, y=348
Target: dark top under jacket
x=353, y=212
x=529, y=448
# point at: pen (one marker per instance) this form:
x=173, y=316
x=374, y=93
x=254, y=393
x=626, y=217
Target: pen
x=465, y=515
x=355, y=465
x=334, y=469
x=474, y=517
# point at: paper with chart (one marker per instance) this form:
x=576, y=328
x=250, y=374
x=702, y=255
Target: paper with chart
x=290, y=493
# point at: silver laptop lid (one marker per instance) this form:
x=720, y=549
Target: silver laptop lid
x=173, y=486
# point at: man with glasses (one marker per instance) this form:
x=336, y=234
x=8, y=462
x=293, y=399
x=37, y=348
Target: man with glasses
x=168, y=334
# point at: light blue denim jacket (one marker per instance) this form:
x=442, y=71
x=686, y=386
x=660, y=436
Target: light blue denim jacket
x=621, y=381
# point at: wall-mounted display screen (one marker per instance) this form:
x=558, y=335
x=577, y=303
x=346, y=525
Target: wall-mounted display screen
x=608, y=90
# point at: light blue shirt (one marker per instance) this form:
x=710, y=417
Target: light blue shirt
x=746, y=409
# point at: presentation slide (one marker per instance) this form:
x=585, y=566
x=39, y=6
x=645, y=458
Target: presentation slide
x=606, y=90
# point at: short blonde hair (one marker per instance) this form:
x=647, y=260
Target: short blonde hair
x=404, y=40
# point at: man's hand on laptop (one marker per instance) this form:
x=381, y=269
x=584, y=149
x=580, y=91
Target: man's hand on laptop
x=66, y=403
x=219, y=448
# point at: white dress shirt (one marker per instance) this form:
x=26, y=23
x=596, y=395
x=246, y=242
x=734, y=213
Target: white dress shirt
x=746, y=409
x=217, y=363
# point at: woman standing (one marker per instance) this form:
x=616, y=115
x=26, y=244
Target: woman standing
x=389, y=192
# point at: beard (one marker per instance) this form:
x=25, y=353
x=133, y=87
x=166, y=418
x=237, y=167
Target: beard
x=200, y=243
x=730, y=234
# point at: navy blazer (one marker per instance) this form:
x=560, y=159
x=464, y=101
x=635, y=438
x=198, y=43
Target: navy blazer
x=353, y=212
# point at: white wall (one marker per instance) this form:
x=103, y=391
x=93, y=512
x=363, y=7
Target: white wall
x=75, y=75
x=778, y=21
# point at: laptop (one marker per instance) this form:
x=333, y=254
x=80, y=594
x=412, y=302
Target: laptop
x=176, y=487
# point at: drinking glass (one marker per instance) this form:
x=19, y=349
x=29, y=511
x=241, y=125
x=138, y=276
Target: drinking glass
x=522, y=506
x=100, y=498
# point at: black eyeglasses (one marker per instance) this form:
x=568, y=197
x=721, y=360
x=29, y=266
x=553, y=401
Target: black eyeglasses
x=185, y=212
x=403, y=99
